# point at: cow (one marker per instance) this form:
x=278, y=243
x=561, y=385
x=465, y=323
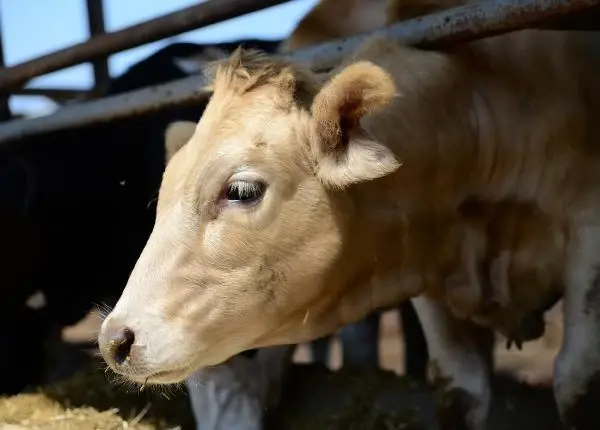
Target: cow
x=82, y=207
x=305, y=201
x=21, y=254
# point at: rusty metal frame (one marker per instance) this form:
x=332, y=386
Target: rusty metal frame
x=190, y=18
x=457, y=25
x=95, y=18
x=59, y=95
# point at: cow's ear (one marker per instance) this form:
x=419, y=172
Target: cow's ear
x=177, y=134
x=346, y=153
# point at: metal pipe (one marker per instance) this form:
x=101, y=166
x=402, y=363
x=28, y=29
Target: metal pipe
x=95, y=16
x=5, y=113
x=455, y=25
x=190, y=18
x=146, y=100
x=59, y=95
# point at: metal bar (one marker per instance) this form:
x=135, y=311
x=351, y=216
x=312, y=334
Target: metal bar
x=457, y=25
x=461, y=24
x=5, y=113
x=147, y=100
x=206, y=13
x=95, y=16
x=56, y=94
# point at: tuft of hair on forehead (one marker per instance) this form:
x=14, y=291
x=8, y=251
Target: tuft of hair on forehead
x=247, y=70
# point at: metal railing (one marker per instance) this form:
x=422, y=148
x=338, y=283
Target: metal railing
x=437, y=30
x=190, y=18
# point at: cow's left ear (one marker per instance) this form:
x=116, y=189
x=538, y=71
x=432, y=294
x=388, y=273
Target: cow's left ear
x=346, y=154
x=177, y=134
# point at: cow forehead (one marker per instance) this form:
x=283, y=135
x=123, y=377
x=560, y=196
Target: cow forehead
x=249, y=112
x=256, y=135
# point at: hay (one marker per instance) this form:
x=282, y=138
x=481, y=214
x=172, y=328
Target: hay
x=38, y=411
x=89, y=400
x=314, y=399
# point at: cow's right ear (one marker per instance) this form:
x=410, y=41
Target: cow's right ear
x=177, y=134
x=346, y=153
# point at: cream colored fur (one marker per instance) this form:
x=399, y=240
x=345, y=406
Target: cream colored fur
x=366, y=171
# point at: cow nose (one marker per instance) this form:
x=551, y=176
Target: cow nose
x=118, y=341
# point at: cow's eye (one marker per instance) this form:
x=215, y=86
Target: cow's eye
x=245, y=191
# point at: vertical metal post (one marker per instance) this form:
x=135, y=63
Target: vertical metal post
x=4, y=107
x=190, y=18
x=95, y=15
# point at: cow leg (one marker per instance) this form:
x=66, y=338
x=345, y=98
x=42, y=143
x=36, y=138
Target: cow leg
x=319, y=350
x=360, y=342
x=415, y=345
x=461, y=363
x=577, y=366
x=235, y=394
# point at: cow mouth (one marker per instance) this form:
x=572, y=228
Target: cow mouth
x=166, y=377
x=163, y=377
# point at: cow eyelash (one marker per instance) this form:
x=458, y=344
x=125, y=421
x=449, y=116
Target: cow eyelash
x=245, y=192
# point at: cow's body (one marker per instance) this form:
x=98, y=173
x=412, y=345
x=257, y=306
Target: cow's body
x=351, y=177
x=331, y=19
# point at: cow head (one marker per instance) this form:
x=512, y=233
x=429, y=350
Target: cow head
x=256, y=240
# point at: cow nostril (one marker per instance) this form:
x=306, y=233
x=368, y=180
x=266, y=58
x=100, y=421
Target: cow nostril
x=121, y=345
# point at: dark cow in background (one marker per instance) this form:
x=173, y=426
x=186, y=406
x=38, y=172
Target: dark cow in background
x=22, y=329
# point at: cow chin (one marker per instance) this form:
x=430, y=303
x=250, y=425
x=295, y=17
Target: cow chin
x=165, y=377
